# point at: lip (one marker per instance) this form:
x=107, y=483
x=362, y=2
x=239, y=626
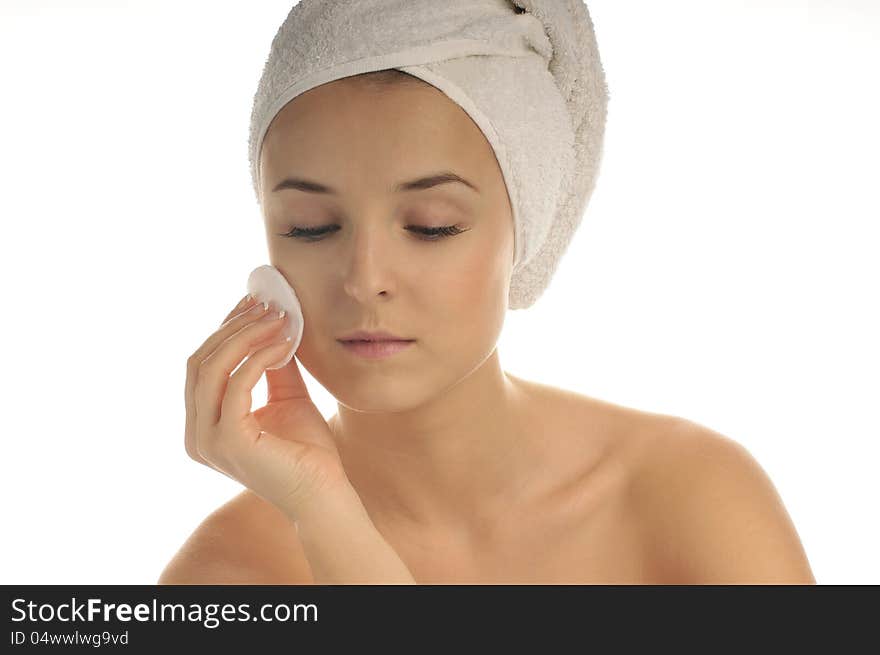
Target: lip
x=376, y=349
x=372, y=335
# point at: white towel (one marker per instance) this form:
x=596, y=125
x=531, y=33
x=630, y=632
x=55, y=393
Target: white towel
x=527, y=72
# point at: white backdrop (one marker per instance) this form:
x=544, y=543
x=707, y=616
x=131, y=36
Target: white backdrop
x=726, y=269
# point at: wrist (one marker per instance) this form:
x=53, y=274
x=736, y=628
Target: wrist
x=343, y=546
x=332, y=505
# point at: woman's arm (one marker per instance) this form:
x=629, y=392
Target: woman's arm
x=343, y=545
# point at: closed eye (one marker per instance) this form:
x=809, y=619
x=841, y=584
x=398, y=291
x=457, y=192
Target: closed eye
x=428, y=233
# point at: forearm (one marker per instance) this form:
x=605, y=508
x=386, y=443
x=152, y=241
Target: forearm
x=343, y=545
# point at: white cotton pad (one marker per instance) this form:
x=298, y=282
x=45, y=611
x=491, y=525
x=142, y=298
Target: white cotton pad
x=267, y=284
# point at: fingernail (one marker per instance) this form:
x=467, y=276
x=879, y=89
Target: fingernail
x=274, y=315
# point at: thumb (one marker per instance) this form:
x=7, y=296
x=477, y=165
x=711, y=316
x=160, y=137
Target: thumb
x=286, y=383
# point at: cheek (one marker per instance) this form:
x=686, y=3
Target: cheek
x=473, y=294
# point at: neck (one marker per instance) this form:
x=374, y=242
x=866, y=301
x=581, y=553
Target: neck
x=456, y=460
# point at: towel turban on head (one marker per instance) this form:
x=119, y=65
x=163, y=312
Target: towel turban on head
x=527, y=72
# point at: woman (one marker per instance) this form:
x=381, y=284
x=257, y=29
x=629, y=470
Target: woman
x=387, y=208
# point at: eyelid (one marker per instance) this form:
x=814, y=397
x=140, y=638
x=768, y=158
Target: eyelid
x=427, y=233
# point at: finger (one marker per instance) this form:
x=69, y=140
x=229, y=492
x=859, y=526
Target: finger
x=238, y=399
x=244, y=305
x=214, y=371
x=286, y=383
x=252, y=313
x=247, y=300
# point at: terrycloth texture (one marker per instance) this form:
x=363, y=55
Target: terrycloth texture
x=527, y=72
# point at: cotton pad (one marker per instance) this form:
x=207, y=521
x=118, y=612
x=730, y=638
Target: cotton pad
x=267, y=284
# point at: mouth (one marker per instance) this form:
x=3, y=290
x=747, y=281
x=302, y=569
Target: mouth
x=374, y=340
x=378, y=349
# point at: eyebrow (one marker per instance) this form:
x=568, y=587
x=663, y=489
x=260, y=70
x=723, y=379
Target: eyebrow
x=420, y=184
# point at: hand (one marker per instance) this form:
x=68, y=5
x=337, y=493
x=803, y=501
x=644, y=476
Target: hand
x=284, y=451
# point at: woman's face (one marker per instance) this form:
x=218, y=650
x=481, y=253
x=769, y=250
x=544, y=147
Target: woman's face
x=371, y=268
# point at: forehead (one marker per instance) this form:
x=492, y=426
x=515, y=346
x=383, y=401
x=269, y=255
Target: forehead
x=352, y=123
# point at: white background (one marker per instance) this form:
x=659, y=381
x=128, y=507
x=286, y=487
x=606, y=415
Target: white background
x=726, y=269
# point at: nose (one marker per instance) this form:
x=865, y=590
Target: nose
x=369, y=265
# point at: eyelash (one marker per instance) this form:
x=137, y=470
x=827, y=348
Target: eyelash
x=431, y=233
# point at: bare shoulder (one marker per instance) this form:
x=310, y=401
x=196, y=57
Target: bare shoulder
x=614, y=433
x=245, y=541
x=707, y=511
x=711, y=513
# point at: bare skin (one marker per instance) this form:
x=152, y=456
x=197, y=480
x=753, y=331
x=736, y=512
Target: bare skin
x=554, y=479
x=615, y=502
x=576, y=525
